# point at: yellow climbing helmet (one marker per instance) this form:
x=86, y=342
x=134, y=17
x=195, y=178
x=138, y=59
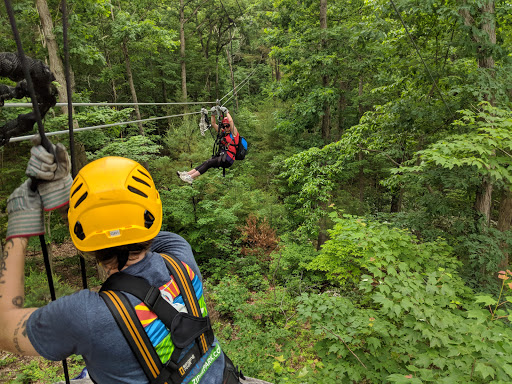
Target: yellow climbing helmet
x=113, y=202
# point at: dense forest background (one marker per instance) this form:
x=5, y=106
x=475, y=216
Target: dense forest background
x=365, y=238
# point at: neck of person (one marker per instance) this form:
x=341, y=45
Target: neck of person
x=112, y=267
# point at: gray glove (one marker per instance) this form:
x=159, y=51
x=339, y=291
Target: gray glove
x=54, y=175
x=42, y=164
x=213, y=111
x=224, y=110
x=24, y=208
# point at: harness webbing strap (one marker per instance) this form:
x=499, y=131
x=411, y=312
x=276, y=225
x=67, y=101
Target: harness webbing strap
x=139, y=342
x=180, y=274
x=185, y=328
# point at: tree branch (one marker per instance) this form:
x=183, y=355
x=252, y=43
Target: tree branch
x=385, y=154
x=332, y=333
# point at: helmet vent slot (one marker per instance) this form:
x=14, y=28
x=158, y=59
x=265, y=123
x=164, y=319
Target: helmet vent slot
x=149, y=219
x=81, y=199
x=79, y=231
x=136, y=191
x=140, y=181
x=77, y=189
x=144, y=174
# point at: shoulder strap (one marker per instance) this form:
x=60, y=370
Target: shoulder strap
x=132, y=329
x=233, y=138
x=181, y=277
x=186, y=328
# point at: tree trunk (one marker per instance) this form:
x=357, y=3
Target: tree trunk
x=109, y=65
x=360, y=93
x=228, y=56
x=326, y=118
x=322, y=227
x=182, y=53
x=396, y=200
x=53, y=51
x=361, y=183
x=484, y=199
x=504, y=224
x=217, y=77
x=124, y=46
x=485, y=61
x=342, y=106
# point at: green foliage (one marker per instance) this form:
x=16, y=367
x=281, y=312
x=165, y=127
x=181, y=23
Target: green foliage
x=416, y=319
x=485, y=148
x=289, y=265
x=37, y=293
x=41, y=370
x=138, y=148
x=229, y=295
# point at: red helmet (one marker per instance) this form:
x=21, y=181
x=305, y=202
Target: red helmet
x=225, y=121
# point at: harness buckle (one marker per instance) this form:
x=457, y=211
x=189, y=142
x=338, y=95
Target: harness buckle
x=152, y=297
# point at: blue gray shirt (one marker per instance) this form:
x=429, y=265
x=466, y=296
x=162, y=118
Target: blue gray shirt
x=81, y=324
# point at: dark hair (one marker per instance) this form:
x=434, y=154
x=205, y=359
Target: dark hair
x=120, y=252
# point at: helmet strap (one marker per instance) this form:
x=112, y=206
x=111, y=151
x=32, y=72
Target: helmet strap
x=122, y=259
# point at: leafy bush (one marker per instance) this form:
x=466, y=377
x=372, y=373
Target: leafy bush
x=36, y=288
x=417, y=322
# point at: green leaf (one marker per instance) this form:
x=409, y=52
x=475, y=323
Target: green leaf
x=403, y=379
x=485, y=370
x=303, y=372
x=487, y=300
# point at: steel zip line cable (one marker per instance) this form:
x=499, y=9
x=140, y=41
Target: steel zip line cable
x=21, y=105
x=239, y=86
x=28, y=137
x=242, y=83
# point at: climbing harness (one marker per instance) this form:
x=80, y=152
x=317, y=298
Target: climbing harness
x=186, y=328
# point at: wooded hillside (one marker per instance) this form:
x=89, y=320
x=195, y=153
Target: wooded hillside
x=365, y=237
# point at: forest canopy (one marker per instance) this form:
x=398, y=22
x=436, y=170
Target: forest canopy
x=366, y=236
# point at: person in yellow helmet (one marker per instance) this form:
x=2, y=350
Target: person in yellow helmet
x=115, y=216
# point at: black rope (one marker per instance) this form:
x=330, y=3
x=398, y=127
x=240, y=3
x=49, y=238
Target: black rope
x=421, y=58
x=44, y=141
x=70, y=115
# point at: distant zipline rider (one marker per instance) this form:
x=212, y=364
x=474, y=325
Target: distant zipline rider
x=149, y=323
x=228, y=147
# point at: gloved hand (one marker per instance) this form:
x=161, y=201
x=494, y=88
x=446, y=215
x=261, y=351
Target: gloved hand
x=213, y=111
x=55, y=180
x=224, y=110
x=24, y=208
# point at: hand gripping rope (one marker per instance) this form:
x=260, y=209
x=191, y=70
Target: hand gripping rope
x=34, y=80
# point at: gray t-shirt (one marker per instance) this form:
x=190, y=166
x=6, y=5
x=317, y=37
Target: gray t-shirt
x=81, y=324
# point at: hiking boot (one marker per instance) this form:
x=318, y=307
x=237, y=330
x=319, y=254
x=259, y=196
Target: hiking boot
x=186, y=178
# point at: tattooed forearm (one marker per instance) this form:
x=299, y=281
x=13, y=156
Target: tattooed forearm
x=18, y=301
x=22, y=325
x=3, y=258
